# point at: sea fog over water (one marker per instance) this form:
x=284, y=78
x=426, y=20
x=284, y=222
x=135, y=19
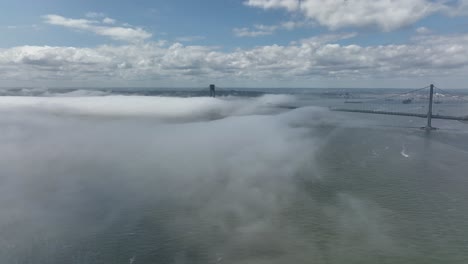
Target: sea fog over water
x=252, y=176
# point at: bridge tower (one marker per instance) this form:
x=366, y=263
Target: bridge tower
x=429, y=111
x=212, y=90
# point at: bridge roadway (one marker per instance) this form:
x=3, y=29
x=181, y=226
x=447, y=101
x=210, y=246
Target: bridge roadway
x=458, y=118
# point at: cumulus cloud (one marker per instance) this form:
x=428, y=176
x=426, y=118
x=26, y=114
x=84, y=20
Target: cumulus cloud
x=126, y=33
x=321, y=56
x=385, y=14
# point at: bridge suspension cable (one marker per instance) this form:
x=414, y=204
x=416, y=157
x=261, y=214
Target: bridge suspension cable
x=398, y=95
x=418, y=105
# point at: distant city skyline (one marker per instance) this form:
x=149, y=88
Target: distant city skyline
x=234, y=43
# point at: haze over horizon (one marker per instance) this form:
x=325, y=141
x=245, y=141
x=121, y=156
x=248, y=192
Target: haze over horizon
x=234, y=43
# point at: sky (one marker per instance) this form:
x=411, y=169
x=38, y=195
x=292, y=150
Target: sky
x=234, y=43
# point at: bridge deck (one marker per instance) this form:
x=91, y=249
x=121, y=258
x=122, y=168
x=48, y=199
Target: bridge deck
x=459, y=118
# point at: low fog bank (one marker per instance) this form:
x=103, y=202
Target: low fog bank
x=159, y=108
x=78, y=185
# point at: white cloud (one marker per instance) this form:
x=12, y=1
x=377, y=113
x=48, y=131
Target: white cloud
x=263, y=30
x=423, y=30
x=290, y=5
x=165, y=109
x=69, y=22
x=317, y=57
x=126, y=33
x=122, y=33
x=385, y=14
x=108, y=20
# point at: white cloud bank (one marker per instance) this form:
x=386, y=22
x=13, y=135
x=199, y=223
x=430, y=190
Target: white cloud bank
x=308, y=62
x=385, y=14
x=426, y=56
x=129, y=34
x=170, y=109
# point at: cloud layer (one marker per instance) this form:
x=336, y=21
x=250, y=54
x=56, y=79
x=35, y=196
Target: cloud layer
x=384, y=14
x=318, y=57
x=313, y=60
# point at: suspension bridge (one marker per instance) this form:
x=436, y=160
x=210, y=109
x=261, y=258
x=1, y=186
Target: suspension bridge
x=429, y=102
